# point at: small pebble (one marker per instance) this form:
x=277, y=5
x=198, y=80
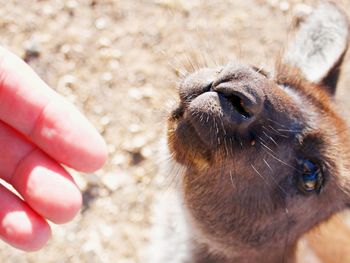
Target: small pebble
x=284, y=6
x=32, y=51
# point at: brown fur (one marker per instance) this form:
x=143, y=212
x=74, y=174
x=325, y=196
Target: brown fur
x=240, y=186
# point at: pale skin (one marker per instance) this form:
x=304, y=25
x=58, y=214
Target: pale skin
x=39, y=131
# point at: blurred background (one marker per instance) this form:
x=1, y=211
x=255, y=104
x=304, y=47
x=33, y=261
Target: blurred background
x=119, y=62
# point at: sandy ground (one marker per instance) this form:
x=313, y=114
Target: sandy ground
x=119, y=62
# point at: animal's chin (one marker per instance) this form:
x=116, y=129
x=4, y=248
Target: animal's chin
x=184, y=143
x=193, y=131
x=197, y=138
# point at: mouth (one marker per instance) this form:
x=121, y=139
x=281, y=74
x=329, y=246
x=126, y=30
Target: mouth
x=185, y=144
x=236, y=103
x=210, y=119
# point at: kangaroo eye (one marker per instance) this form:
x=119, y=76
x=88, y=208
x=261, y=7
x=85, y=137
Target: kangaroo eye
x=310, y=178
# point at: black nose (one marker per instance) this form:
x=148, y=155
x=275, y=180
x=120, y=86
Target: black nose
x=240, y=90
x=240, y=99
x=222, y=103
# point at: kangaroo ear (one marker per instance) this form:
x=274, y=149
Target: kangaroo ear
x=319, y=45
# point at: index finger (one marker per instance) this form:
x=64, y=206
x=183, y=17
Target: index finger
x=45, y=118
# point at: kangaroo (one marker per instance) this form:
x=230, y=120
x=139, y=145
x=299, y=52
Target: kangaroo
x=263, y=157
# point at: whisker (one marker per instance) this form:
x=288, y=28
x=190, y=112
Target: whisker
x=262, y=177
x=231, y=146
x=277, y=132
x=289, y=130
x=279, y=160
x=267, y=164
x=240, y=142
x=277, y=123
x=231, y=178
x=226, y=147
x=274, y=179
x=171, y=181
x=262, y=139
x=191, y=64
x=260, y=69
x=223, y=126
x=270, y=137
x=265, y=146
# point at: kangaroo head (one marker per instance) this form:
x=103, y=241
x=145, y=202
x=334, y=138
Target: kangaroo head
x=267, y=156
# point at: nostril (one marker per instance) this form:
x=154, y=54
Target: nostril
x=242, y=98
x=239, y=105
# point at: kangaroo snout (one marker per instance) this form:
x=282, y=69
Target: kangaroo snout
x=218, y=102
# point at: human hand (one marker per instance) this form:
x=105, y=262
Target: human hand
x=38, y=131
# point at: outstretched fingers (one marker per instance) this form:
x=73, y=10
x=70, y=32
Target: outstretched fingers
x=29, y=106
x=39, y=130
x=42, y=182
